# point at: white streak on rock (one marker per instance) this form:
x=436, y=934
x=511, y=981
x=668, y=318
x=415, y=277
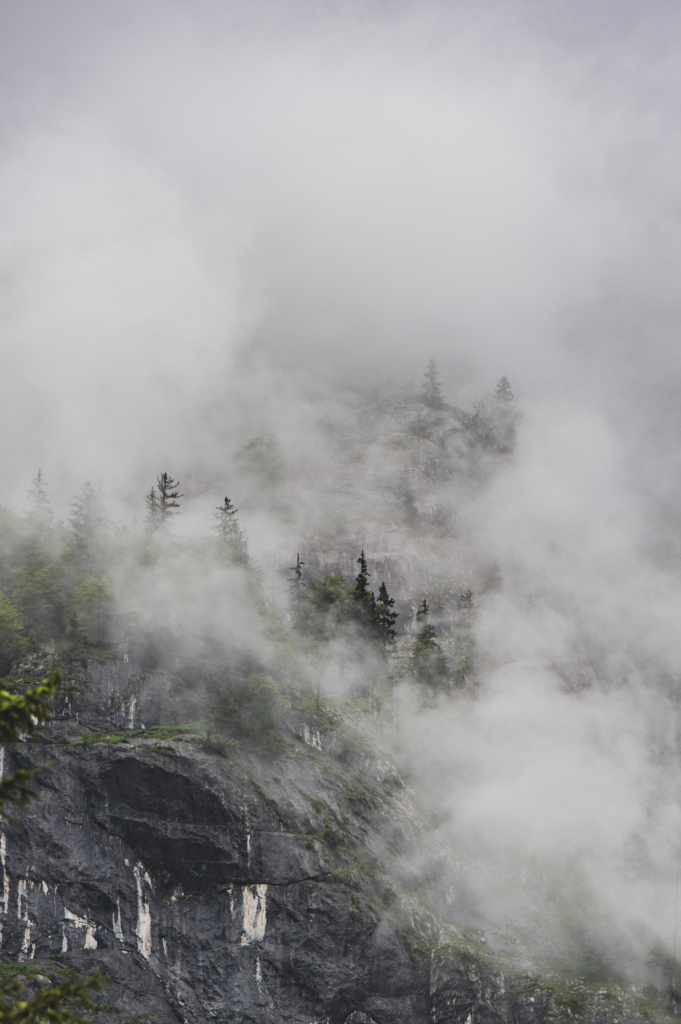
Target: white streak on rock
x=27, y=947
x=254, y=899
x=143, y=929
x=117, y=926
x=75, y=921
x=5, y=876
x=312, y=738
x=21, y=898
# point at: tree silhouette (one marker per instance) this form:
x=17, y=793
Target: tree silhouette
x=162, y=502
x=88, y=515
x=385, y=616
x=41, y=514
x=502, y=392
x=229, y=531
x=362, y=578
x=432, y=388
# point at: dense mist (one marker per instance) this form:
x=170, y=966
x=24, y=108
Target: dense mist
x=232, y=236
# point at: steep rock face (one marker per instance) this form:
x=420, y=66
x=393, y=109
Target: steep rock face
x=214, y=890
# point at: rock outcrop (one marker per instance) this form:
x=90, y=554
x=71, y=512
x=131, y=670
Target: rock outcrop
x=222, y=888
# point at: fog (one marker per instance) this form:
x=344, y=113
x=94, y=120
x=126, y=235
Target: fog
x=221, y=221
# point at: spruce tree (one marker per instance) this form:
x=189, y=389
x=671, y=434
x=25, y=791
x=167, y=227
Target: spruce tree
x=226, y=525
x=365, y=597
x=385, y=616
x=88, y=515
x=228, y=530
x=41, y=513
x=162, y=502
x=503, y=393
x=362, y=578
x=432, y=388
x=168, y=494
x=296, y=584
x=429, y=663
x=152, y=519
x=296, y=589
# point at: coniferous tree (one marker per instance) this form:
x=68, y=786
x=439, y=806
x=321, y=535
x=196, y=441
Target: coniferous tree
x=503, y=392
x=162, y=502
x=88, y=515
x=505, y=416
x=41, y=513
x=385, y=616
x=152, y=519
x=168, y=494
x=229, y=531
x=432, y=388
x=362, y=578
x=296, y=585
x=365, y=598
x=429, y=663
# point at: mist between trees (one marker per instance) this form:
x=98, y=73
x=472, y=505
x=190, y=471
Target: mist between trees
x=386, y=601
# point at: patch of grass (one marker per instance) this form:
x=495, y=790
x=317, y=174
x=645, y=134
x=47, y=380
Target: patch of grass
x=164, y=748
x=265, y=797
x=164, y=732
x=276, y=778
x=8, y=971
x=364, y=792
x=317, y=803
x=220, y=745
x=329, y=835
x=100, y=737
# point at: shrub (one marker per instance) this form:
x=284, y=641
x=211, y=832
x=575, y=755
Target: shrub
x=247, y=708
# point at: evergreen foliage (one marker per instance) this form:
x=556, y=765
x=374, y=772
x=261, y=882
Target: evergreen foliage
x=245, y=706
x=432, y=387
x=229, y=532
x=503, y=392
x=428, y=662
x=385, y=616
x=94, y=603
x=296, y=589
x=336, y=607
x=261, y=457
x=88, y=516
x=41, y=513
x=13, y=640
x=162, y=503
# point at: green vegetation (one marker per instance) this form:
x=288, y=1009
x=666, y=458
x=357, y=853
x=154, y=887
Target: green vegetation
x=245, y=707
x=100, y=737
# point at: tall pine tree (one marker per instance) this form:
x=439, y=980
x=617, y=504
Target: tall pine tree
x=229, y=531
x=432, y=388
x=162, y=502
x=385, y=616
x=88, y=515
x=41, y=513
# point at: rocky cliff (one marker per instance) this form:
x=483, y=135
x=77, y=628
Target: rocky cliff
x=226, y=886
